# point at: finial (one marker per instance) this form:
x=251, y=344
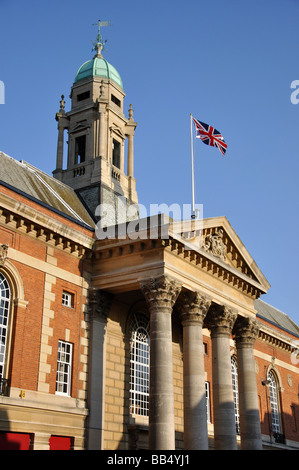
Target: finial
x=101, y=88
x=98, y=46
x=131, y=112
x=62, y=105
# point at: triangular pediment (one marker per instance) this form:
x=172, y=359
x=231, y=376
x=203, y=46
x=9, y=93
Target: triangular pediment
x=216, y=239
x=80, y=126
x=117, y=130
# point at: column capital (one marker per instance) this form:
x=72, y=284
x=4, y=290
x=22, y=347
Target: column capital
x=220, y=319
x=193, y=306
x=160, y=292
x=99, y=302
x=245, y=330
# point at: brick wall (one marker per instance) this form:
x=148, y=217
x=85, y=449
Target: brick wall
x=45, y=271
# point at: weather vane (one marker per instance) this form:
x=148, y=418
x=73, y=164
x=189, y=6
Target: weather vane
x=98, y=46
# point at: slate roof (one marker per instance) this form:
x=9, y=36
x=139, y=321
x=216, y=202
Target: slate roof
x=276, y=317
x=42, y=188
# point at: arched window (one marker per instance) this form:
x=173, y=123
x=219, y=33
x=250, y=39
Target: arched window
x=4, y=322
x=139, y=365
x=274, y=403
x=236, y=392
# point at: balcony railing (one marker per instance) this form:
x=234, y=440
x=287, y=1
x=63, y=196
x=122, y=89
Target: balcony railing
x=4, y=387
x=79, y=171
x=279, y=438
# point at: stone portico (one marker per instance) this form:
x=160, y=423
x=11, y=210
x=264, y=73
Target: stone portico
x=210, y=285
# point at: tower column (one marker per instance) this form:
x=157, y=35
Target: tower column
x=246, y=331
x=131, y=125
x=130, y=157
x=193, y=310
x=220, y=321
x=62, y=124
x=59, y=159
x=161, y=294
x=102, y=145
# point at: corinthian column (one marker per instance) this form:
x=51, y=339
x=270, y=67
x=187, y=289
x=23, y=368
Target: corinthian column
x=220, y=321
x=193, y=309
x=246, y=331
x=161, y=294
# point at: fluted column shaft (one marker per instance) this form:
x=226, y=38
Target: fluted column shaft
x=246, y=331
x=220, y=322
x=193, y=310
x=161, y=294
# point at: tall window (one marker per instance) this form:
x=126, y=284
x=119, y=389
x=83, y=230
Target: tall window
x=273, y=392
x=139, y=365
x=64, y=368
x=208, y=405
x=116, y=153
x=236, y=393
x=4, y=317
x=80, y=148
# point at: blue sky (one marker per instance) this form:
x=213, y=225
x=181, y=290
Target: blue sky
x=229, y=63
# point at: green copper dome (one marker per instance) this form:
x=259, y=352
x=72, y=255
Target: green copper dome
x=98, y=67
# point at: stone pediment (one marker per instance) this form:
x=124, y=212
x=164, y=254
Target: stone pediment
x=188, y=255
x=117, y=131
x=216, y=239
x=81, y=126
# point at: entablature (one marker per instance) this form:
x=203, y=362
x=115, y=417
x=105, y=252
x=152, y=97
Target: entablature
x=277, y=338
x=134, y=254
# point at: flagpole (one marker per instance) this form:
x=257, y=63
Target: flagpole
x=192, y=169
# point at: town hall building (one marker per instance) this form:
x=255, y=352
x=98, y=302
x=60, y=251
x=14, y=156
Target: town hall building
x=130, y=333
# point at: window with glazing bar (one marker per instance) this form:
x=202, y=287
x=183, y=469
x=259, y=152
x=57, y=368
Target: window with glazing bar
x=236, y=393
x=273, y=392
x=139, y=365
x=64, y=368
x=4, y=318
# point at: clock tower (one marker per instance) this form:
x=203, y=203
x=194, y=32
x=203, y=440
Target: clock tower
x=100, y=148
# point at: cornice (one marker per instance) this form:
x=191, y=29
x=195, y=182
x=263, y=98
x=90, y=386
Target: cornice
x=276, y=338
x=110, y=249
x=21, y=218
x=216, y=267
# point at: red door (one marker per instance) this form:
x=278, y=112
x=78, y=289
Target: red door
x=14, y=441
x=60, y=443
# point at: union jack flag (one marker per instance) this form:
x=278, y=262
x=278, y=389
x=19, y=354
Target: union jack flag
x=210, y=136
